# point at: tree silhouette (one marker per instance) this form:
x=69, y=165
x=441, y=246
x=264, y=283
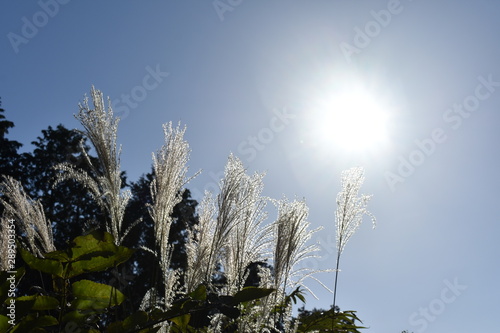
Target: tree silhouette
x=67, y=205
x=8, y=148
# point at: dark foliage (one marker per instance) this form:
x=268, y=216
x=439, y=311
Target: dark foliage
x=9, y=156
x=67, y=205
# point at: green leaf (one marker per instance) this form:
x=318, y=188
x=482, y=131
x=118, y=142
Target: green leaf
x=133, y=322
x=90, y=253
x=301, y=297
x=323, y=321
x=150, y=330
x=95, y=252
x=157, y=315
x=44, y=321
x=200, y=293
x=297, y=294
x=229, y=311
x=251, y=293
x=23, y=307
x=45, y=265
x=4, y=323
x=77, y=317
x=181, y=322
x=139, y=318
x=116, y=327
x=91, y=295
x=61, y=256
x=40, y=303
x=34, y=323
x=96, y=241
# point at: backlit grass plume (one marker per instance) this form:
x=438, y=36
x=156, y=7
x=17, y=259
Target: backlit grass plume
x=231, y=235
x=170, y=169
x=105, y=185
x=234, y=232
x=199, y=244
x=247, y=242
x=351, y=207
x=291, y=233
x=29, y=217
x=4, y=244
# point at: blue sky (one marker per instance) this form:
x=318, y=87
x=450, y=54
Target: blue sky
x=248, y=77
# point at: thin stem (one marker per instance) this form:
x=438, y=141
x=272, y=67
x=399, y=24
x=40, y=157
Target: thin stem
x=335, y=289
x=336, y=278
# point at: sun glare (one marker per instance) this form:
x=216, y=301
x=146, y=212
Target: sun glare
x=352, y=120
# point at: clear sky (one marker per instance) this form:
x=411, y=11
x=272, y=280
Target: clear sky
x=262, y=79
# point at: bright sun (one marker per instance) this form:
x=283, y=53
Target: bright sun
x=353, y=120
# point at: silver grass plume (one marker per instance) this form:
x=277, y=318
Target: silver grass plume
x=169, y=165
x=29, y=217
x=351, y=207
x=105, y=185
x=170, y=169
x=199, y=244
x=258, y=317
x=4, y=244
x=238, y=205
x=291, y=233
x=247, y=242
x=227, y=218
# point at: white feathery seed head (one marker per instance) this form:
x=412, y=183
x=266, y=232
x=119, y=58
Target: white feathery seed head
x=351, y=207
x=4, y=243
x=29, y=217
x=291, y=233
x=105, y=185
